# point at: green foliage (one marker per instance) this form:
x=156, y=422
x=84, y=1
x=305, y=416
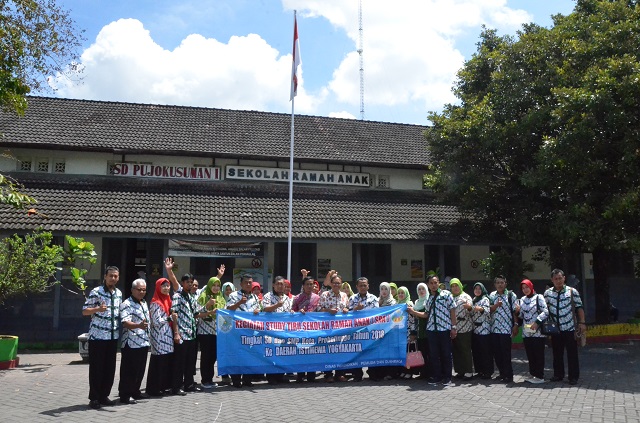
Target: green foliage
x=10, y=193
x=78, y=250
x=506, y=263
x=37, y=40
x=27, y=264
x=544, y=145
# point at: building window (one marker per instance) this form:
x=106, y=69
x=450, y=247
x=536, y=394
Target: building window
x=383, y=181
x=42, y=165
x=25, y=165
x=59, y=167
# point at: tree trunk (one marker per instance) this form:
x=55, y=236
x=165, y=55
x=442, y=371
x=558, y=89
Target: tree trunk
x=601, y=259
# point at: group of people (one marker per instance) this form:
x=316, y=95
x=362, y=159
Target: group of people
x=455, y=332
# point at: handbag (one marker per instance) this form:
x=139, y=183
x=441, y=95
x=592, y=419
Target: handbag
x=414, y=358
x=549, y=328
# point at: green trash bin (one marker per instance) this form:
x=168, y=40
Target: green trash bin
x=8, y=347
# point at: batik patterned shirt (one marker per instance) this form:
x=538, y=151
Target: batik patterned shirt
x=206, y=325
x=306, y=303
x=482, y=320
x=330, y=299
x=269, y=299
x=185, y=306
x=369, y=301
x=560, y=307
x=105, y=325
x=533, y=310
x=161, y=334
x=502, y=320
x=252, y=303
x=438, y=308
x=134, y=312
x=463, y=316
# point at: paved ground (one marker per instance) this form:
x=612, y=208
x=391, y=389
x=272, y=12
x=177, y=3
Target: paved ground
x=54, y=387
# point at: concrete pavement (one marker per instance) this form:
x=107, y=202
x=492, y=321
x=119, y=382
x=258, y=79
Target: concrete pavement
x=54, y=387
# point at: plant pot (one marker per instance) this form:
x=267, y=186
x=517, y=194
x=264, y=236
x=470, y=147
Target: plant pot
x=8, y=347
x=83, y=346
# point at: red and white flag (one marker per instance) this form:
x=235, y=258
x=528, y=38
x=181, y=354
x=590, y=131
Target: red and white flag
x=296, y=60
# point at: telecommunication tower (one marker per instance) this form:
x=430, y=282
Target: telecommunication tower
x=360, y=48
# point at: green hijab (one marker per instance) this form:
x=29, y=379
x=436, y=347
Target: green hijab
x=407, y=297
x=207, y=294
x=456, y=282
x=393, y=285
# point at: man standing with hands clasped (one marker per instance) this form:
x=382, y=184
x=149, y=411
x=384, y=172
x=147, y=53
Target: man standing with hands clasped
x=440, y=313
x=103, y=305
x=562, y=301
x=134, y=315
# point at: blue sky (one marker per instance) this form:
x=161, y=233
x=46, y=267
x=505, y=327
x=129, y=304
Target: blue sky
x=237, y=53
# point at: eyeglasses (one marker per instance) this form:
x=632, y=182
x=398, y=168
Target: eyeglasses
x=141, y=289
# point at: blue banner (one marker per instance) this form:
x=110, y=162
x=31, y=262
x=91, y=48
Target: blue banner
x=294, y=342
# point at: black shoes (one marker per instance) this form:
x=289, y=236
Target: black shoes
x=178, y=392
x=247, y=384
x=193, y=388
x=95, y=404
x=125, y=400
x=573, y=381
x=107, y=401
x=555, y=379
x=141, y=396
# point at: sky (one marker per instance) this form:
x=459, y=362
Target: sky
x=236, y=54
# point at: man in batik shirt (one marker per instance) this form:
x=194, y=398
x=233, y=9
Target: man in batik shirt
x=134, y=315
x=363, y=300
x=504, y=325
x=243, y=300
x=276, y=301
x=334, y=301
x=103, y=305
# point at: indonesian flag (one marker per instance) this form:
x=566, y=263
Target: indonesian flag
x=296, y=60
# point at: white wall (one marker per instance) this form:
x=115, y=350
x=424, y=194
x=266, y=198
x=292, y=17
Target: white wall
x=471, y=255
x=406, y=251
x=340, y=254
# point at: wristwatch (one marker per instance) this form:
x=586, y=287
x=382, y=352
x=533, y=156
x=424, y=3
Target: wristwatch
x=454, y=327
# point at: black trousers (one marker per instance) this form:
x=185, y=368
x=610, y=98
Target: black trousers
x=534, y=347
x=183, y=364
x=501, y=345
x=565, y=340
x=208, y=356
x=482, y=357
x=159, y=376
x=102, y=367
x=440, y=349
x=133, y=363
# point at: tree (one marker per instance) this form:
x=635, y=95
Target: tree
x=29, y=264
x=544, y=145
x=38, y=39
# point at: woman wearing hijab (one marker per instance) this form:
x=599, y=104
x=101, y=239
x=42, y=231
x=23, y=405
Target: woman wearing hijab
x=405, y=298
x=421, y=325
x=287, y=289
x=533, y=311
x=461, y=345
x=210, y=301
x=481, y=338
x=227, y=289
x=161, y=337
x=256, y=290
x=386, y=372
x=346, y=288
x=394, y=290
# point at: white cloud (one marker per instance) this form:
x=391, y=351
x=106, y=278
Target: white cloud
x=343, y=115
x=411, y=57
x=409, y=45
x=125, y=64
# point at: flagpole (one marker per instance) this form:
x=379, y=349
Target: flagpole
x=293, y=99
